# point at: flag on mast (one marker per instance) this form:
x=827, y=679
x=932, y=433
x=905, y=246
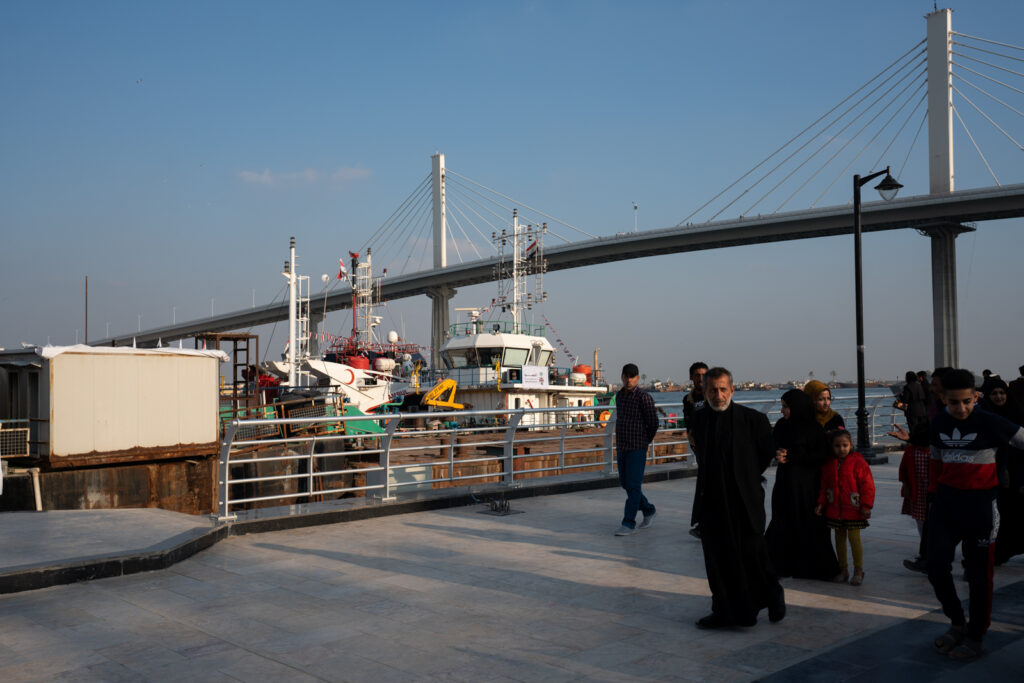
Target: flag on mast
x=342, y=273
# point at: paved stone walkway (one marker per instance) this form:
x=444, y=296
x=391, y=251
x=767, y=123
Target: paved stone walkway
x=548, y=594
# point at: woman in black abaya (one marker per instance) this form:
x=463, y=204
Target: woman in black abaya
x=799, y=543
x=1010, y=464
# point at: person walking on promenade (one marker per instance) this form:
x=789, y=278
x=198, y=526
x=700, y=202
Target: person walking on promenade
x=1010, y=463
x=821, y=395
x=735, y=444
x=964, y=441
x=636, y=422
x=799, y=543
x=913, y=475
x=691, y=402
x=913, y=401
x=1016, y=387
x=846, y=498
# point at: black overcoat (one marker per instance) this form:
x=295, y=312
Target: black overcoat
x=752, y=452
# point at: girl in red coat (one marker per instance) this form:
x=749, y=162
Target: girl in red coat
x=846, y=498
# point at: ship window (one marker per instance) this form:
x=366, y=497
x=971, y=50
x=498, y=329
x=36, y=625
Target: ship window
x=515, y=357
x=455, y=359
x=545, y=358
x=488, y=356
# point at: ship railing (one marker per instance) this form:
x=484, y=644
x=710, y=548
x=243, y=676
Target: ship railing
x=497, y=326
x=303, y=460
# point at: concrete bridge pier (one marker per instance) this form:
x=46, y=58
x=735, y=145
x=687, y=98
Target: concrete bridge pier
x=944, y=308
x=439, y=321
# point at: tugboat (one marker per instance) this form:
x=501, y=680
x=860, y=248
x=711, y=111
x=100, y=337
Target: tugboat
x=505, y=363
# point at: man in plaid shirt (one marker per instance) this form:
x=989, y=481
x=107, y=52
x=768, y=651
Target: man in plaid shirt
x=636, y=423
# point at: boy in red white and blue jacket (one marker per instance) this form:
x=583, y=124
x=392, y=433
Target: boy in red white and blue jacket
x=963, y=479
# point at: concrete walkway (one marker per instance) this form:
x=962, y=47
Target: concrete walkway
x=548, y=594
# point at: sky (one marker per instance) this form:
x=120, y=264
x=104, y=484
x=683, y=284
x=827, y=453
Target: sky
x=169, y=150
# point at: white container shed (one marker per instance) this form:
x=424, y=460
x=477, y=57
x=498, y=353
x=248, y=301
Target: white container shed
x=113, y=401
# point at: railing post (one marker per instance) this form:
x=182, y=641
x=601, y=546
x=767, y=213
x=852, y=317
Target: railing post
x=561, y=449
x=609, y=452
x=309, y=485
x=385, y=456
x=510, y=437
x=224, y=481
x=451, y=456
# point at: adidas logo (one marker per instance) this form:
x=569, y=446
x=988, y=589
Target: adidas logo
x=956, y=440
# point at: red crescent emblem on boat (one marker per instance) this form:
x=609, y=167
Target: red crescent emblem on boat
x=351, y=376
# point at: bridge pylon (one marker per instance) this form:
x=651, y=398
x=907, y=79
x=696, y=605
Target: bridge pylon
x=940, y=182
x=440, y=297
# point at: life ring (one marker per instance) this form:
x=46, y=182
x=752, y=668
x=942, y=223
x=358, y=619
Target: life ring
x=603, y=417
x=351, y=376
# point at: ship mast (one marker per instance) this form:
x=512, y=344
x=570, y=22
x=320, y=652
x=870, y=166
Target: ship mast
x=527, y=259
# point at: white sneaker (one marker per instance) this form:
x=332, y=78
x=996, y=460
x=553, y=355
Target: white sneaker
x=624, y=531
x=647, y=521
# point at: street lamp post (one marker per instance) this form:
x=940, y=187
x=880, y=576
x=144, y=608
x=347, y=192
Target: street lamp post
x=888, y=189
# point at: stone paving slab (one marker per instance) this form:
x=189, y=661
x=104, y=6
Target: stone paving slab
x=452, y=595
x=35, y=539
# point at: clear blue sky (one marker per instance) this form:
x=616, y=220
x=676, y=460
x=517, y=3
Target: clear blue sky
x=168, y=151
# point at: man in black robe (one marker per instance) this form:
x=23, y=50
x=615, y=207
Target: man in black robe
x=735, y=443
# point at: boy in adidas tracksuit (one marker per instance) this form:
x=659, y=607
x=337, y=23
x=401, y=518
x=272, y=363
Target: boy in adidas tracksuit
x=963, y=480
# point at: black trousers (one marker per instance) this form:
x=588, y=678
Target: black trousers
x=971, y=518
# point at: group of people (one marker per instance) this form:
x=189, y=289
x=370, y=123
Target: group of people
x=959, y=457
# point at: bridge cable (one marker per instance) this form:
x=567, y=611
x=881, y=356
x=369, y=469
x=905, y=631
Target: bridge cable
x=913, y=142
x=920, y=103
x=457, y=207
x=416, y=237
x=477, y=213
x=396, y=212
x=850, y=141
x=988, y=118
x=415, y=214
x=821, y=132
x=989, y=78
x=989, y=95
x=410, y=215
x=976, y=148
x=822, y=147
x=458, y=224
x=502, y=218
x=994, y=66
x=988, y=52
x=801, y=133
x=389, y=239
x=985, y=40
x=538, y=211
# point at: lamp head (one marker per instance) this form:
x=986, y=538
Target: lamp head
x=888, y=187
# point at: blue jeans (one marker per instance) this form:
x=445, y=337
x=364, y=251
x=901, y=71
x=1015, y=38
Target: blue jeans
x=631, y=476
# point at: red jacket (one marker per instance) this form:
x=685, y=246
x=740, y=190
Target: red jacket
x=846, y=487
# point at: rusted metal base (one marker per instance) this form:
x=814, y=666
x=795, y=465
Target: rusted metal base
x=183, y=485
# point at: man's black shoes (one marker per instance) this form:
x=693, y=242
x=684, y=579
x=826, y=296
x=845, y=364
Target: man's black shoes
x=713, y=621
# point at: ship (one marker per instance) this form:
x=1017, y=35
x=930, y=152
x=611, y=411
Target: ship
x=501, y=362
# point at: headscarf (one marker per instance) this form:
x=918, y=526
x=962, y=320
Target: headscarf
x=812, y=389
x=1010, y=410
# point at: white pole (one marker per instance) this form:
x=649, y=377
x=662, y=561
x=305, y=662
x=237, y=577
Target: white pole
x=940, y=102
x=515, y=271
x=291, y=314
x=440, y=213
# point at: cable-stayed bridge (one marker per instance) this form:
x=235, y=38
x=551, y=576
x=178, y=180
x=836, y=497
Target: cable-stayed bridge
x=447, y=211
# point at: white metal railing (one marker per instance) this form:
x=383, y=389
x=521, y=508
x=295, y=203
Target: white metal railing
x=297, y=460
